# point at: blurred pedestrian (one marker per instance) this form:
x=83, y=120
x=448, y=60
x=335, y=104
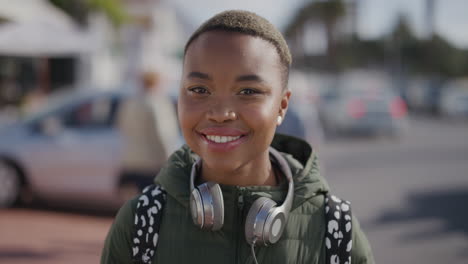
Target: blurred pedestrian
x=236, y=187
x=34, y=101
x=148, y=124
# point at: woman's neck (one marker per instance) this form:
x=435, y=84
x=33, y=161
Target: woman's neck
x=258, y=172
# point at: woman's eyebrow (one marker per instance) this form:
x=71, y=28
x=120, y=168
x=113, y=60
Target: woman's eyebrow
x=199, y=75
x=249, y=78
x=242, y=78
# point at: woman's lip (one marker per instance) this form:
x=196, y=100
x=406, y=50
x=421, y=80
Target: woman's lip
x=222, y=131
x=222, y=147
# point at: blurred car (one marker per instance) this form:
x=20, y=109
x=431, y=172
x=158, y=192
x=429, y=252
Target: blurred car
x=454, y=100
x=423, y=94
x=302, y=119
x=362, y=103
x=68, y=152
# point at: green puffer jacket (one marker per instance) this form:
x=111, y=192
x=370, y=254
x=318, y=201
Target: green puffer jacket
x=180, y=241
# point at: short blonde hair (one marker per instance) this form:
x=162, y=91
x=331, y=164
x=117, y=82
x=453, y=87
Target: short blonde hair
x=249, y=23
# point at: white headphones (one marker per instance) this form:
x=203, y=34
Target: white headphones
x=265, y=220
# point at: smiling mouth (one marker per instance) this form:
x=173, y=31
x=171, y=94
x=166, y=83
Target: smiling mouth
x=222, y=139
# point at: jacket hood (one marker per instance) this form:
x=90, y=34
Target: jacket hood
x=308, y=182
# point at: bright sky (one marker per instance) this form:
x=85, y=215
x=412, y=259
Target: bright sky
x=376, y=16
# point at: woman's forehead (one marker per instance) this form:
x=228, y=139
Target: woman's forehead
x=231, y=50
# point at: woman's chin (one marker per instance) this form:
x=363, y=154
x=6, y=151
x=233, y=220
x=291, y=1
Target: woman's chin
x=222, y=165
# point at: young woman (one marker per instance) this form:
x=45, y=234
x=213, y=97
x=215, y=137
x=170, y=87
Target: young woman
x=237, y=193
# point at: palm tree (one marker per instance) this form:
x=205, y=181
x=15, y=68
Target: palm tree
x=327, y=13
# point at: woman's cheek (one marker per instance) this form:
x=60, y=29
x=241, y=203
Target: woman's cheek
x=189, y=109
x=261, y=120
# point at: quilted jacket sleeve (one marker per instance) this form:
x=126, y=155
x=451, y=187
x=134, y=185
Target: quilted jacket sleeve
x=361, y=253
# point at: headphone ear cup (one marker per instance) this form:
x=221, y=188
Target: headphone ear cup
x=274, y=226
x=218, y=206
x=256, y=218
x=196, y=209
x=207, y=205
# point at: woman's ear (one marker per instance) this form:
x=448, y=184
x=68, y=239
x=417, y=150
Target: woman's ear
x=283, y=106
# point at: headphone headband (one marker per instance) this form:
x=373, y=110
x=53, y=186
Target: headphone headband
x=286, y=170
x=265, y=220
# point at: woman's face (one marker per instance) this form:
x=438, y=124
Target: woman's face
x=230, y=99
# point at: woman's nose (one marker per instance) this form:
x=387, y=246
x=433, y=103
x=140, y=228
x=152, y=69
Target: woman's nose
x=220, y=114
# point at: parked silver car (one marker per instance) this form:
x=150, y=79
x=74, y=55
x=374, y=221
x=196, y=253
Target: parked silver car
x=454, y=100
x=68, y=152
x=362, y=103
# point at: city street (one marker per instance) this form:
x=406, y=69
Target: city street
x=409, y=194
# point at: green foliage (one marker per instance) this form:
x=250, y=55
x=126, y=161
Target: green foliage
x=76, y=9
x=79, y=9
x=398, y=49
x=359, y=53
x=429, y=56
x=327, y=12
x=442, y=57
x=112, y=8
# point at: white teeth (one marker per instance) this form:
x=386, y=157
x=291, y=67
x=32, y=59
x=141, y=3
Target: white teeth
x=221, y=139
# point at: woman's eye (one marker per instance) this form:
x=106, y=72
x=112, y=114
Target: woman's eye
x=199, y=90
x=248, y=91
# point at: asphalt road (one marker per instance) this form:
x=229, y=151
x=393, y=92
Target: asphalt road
x=410, y=196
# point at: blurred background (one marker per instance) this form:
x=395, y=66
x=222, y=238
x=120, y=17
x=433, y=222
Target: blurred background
x=380, y=89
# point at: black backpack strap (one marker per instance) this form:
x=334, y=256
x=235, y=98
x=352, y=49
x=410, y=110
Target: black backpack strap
x=338, y=236
x=147, y=222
